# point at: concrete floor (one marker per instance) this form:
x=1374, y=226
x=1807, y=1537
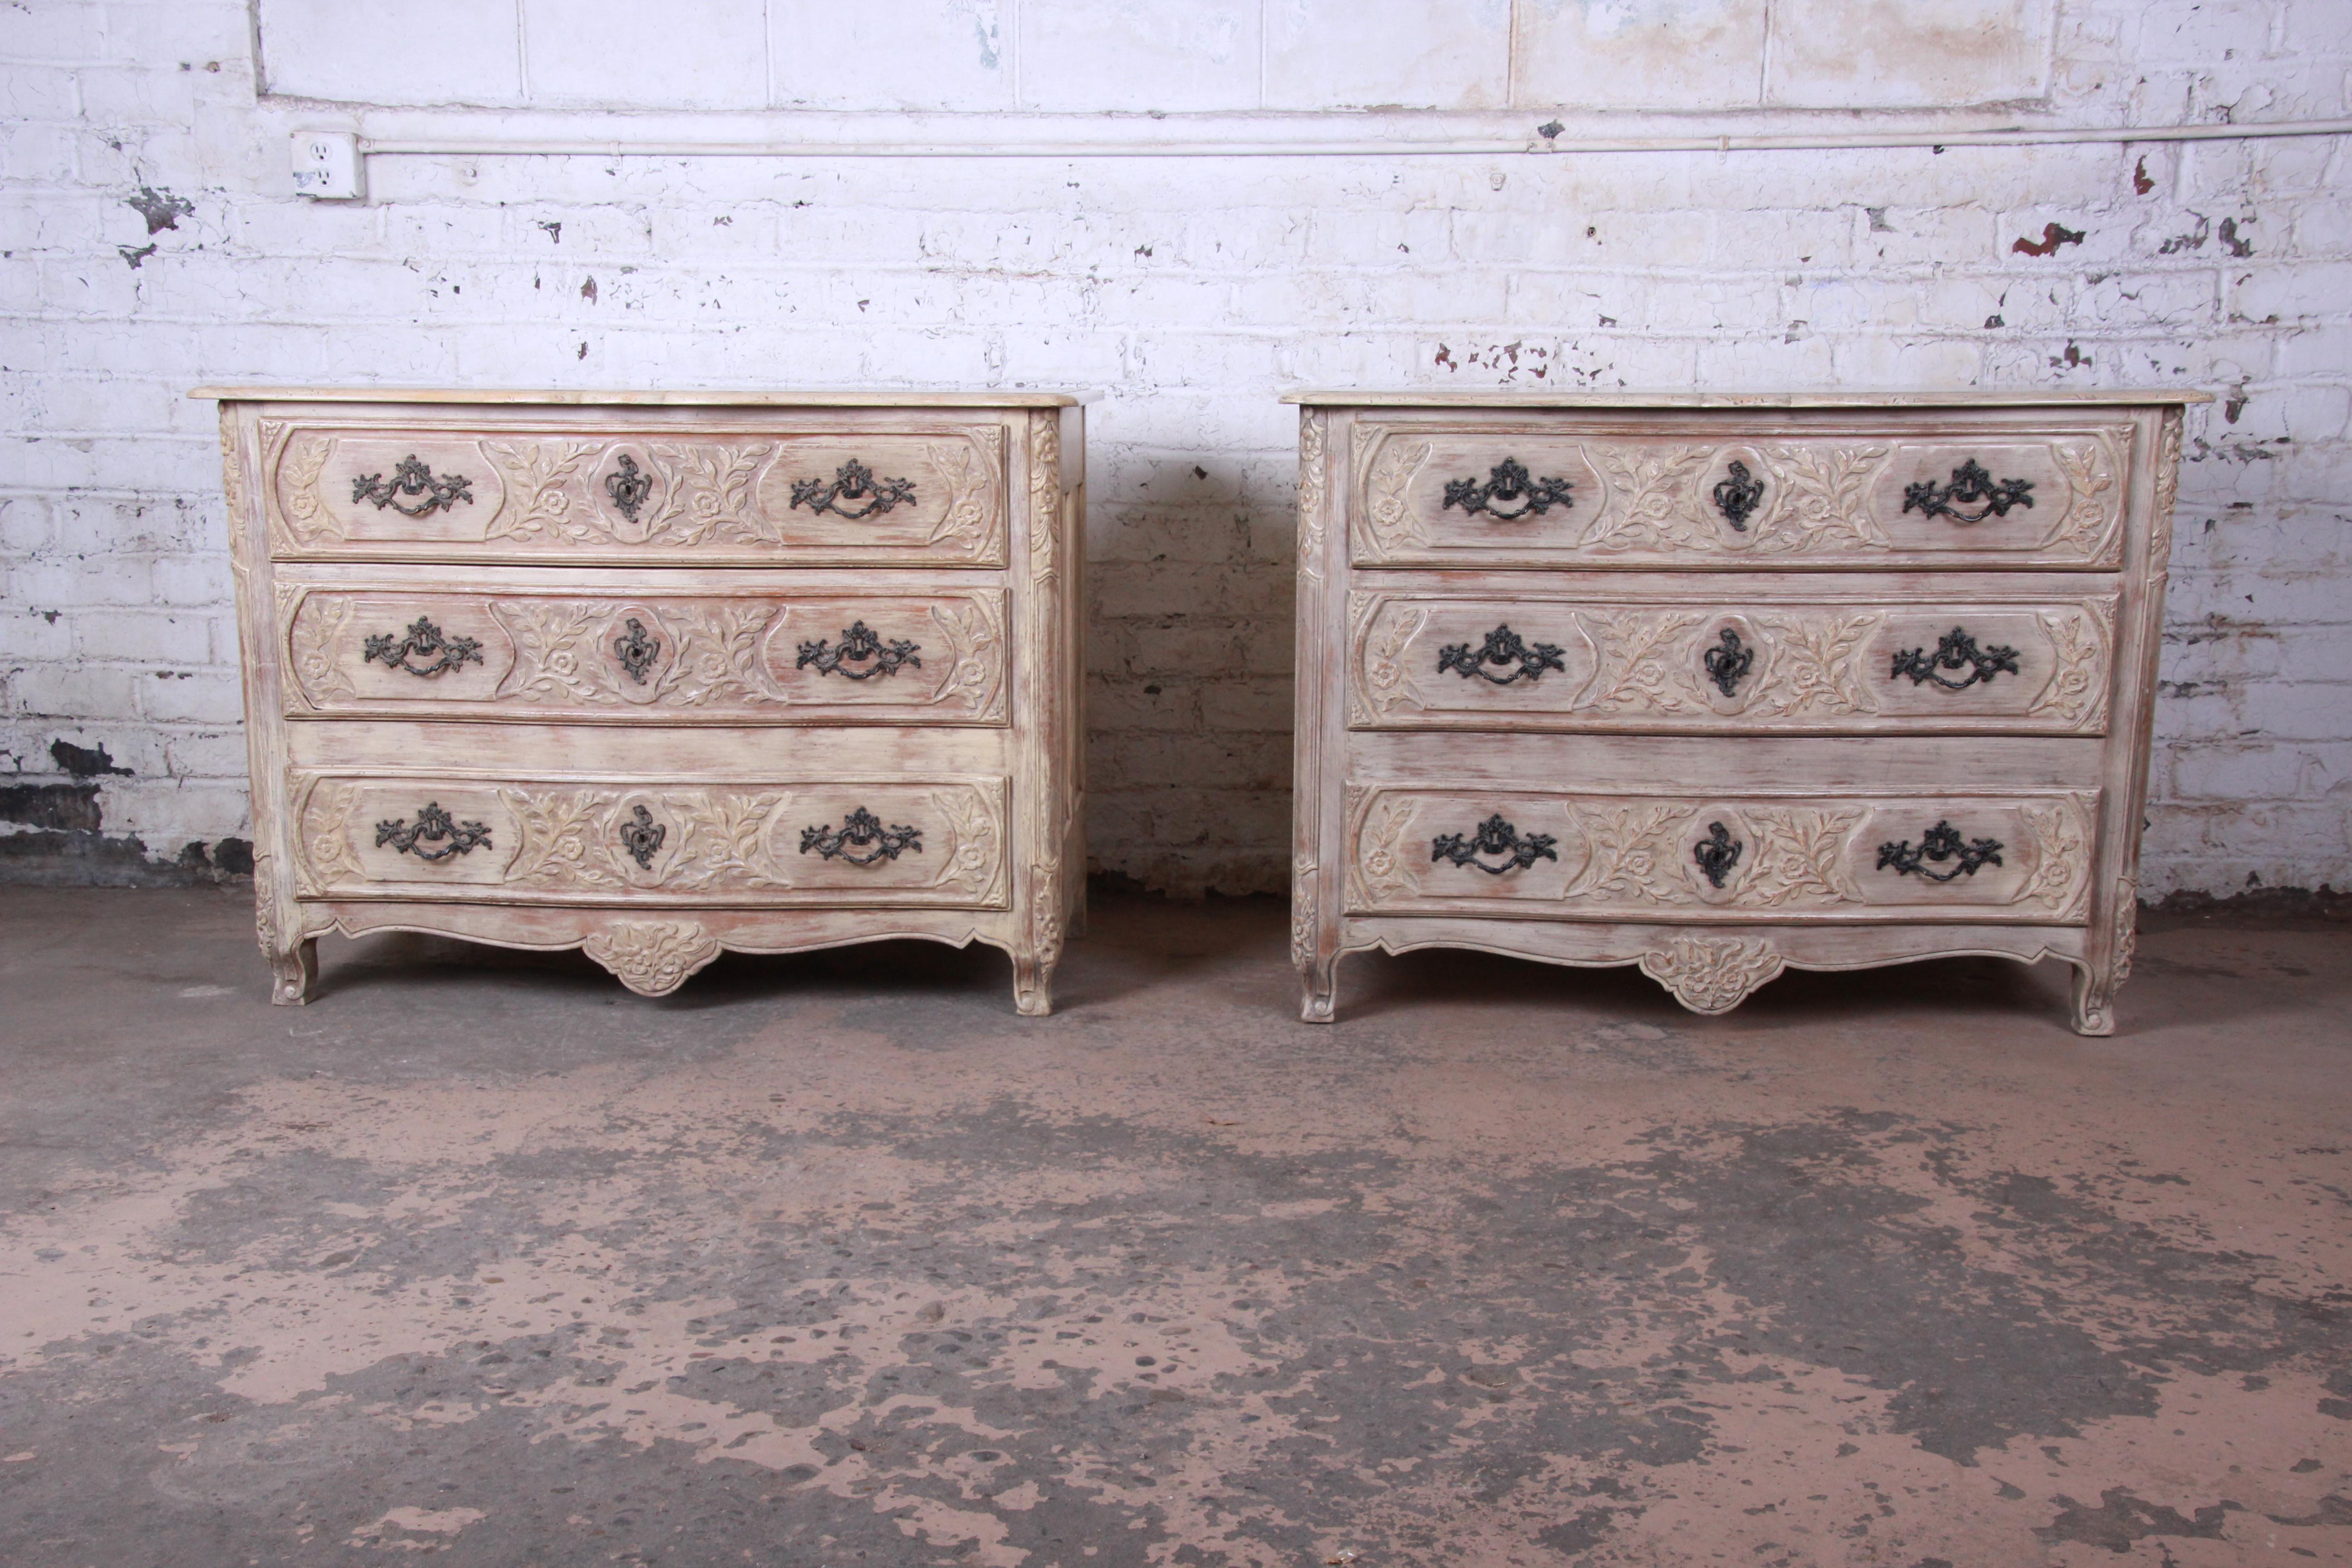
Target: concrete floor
x=834, y=1259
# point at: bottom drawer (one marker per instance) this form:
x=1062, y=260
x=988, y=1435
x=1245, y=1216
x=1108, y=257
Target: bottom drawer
x=1557, y=854
x=939, y=842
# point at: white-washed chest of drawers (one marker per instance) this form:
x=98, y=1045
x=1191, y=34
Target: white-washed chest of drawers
x=1721, y=686
x=661, y=674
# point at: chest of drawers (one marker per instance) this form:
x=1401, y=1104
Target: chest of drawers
x=658, y=676
x=1721, y=686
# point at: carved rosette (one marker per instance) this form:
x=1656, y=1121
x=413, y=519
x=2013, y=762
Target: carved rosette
x=313, y=642
x=1651, y=504
x=303, y=460
x=971, y=468
x=538, y=477
x=974, y=631
x=2090, y=523
x=1311, y=483
x=2061, y=881
x=2077, y=692
x=652, y=958
x=1641, y=664
x=1819, y=666
x=1388, y=508
x=324, y=818
x=1712, y=974
x=1382, y=851
x=1824, y=500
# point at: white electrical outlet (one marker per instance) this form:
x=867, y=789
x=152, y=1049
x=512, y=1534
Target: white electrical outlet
x=327, y=165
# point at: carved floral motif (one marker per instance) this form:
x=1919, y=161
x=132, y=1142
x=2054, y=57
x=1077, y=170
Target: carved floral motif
x=2061, y=857
x=539, y=478
x=1651, y=504
x=2077, y=692
x=1712, y=973
x=1383, y=869
x=652, y=958
x=300, y=503
x=1800, y=856
x=1824, y=500
x=1819, y=666
x=1045, y=496
x=1311, y=483
x=1388, y=507
x=1641, y=664
x=315, y=641
x=2089, y=523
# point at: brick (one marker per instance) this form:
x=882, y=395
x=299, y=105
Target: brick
x=196, y=697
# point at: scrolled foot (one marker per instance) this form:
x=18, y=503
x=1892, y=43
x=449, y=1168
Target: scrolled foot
x=1320, y=988
x=293, y=972
x=2095, y=1006
x=1033, y=987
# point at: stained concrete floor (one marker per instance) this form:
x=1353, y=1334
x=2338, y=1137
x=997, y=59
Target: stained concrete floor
x=834, y=1259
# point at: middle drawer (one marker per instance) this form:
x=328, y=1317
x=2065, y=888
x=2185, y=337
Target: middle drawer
x=1725, y=655
x=671, y=654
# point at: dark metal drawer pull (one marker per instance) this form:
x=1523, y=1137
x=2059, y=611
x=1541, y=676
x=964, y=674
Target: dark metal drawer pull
x=858, y=645
x=433, y=826
x=856, y=482
x=1956, y=650
x=1727, y=661
x=642, y=838
x=1736, y=497
x=1970, y=486
x=424, y=639
x=411, y=478
x=628, y=487
x=1495, y=836
x=1939, y=844
x=1507, y=482
x=636, y=651
x=858, y=829
x=1503, y=648
x=1717, y=853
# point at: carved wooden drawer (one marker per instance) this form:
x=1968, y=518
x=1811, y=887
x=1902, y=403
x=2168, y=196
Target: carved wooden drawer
x=918, y=488
x=658, y=676
x=1721, y=684
x=1503, y=491
x=1562, y=855
x=1715, y=657
x=554, y=840
x=806, y=656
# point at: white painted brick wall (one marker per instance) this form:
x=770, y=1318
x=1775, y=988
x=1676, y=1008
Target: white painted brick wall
x=1181, y=295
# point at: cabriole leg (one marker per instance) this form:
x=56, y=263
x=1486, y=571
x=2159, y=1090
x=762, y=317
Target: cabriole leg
x=293, y=971
x=1033, y=986
x=1319, y=981
x=2095, y=994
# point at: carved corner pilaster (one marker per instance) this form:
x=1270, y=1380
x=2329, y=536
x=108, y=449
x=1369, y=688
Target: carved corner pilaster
x=652, y=958
x=1712, y=974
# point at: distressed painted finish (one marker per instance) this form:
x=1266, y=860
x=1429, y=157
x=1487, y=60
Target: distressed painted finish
x=680, y=492
x=1824, y=661
x=715, y=653
x=1891, y=700
x=650, y=742
x=1610, y=490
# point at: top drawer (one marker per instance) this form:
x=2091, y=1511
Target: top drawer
x=805, y=489
x=1549, y=490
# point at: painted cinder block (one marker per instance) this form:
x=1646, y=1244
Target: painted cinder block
x=1138, y=54
x=367, y=54
x=686, y=54
x=1408, y=54
x=1861, y=54
x=1688, y=55
x=935, y=55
